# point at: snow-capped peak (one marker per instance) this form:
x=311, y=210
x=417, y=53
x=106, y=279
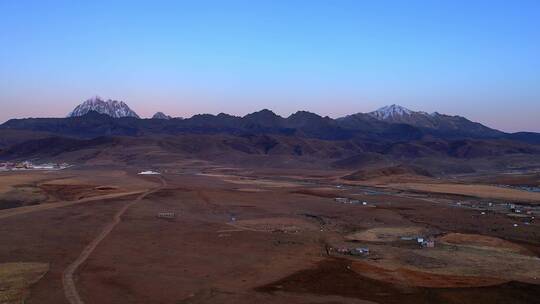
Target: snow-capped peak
x=94, y=99
x=161, y=115
x=391, y=111
x=110, y=107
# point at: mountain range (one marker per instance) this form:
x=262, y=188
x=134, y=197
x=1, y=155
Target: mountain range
x=389, y=134
x=390, y=114
x=111, y=117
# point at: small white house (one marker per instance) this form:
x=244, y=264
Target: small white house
x=361, y=251
x=166, y=215
x=149, y=173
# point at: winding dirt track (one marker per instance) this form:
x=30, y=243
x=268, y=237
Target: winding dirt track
x=70, y=290
x=41, y=207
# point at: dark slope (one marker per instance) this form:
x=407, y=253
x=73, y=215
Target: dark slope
x=9, y=137
x=387, y=171
x=303, y=124
x=527, y=137
x=303, y=134
x=434, y=123
x=53, y=146
x=90, y=125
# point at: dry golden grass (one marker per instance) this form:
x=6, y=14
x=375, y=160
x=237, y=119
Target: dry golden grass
x=10, y=179
x=483, y=191
x=41, y=207
x=483, y=262
x=251, y=190
x=249, y=181
x=457, y=259
x=15, y=278
x=113, y=180
x=275, y=223
x=482, y=242
x=410, y=277
x=384, y=234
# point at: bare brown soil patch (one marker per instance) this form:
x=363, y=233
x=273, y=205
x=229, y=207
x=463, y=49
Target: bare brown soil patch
x=318, y=192
x=410, y=277
x=385, y=234
x=283, y=224
x=106, y=188
x=70, y=289
x=71, y=192
x=227, y=239
x=251, y=181
x=402, y=170
x=251, y=190
x=482, y=241
x=41, y=207
x=482, y=191
x=344, y=278
x=11, y=179
x=20, y=196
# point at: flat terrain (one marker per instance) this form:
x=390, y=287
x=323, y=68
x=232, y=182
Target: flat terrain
x=99, y=235
x=481, y=191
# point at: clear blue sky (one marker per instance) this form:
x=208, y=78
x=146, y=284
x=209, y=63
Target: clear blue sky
x=479, y=59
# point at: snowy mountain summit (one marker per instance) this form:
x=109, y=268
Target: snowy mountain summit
x=391, y=112
x=399, y=114
x=161, y=115
x=109, y=107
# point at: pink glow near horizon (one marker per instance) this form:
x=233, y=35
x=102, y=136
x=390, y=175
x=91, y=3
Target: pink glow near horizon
x=51, y=106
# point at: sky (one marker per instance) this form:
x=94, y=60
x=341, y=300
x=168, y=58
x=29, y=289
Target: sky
x=478, y=59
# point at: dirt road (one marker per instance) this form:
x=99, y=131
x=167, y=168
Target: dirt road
x=70, y=290
x=28, y=209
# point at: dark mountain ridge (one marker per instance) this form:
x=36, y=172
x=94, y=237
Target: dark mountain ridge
x=445, y=144
x=301, y=123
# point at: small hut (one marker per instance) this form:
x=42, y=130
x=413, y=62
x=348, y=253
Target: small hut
x=166, y=215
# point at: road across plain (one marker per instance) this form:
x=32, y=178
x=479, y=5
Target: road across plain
x=70, y=289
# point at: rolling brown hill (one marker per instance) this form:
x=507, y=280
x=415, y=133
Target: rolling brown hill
x=387, y=171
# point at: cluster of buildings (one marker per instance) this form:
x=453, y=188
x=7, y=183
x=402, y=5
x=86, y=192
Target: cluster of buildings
x=520, y=209
x=149, y=172
x=502, y=207
x=525, y=212
x=358, y=251
x=345, y=200
x=27, y=165
x=166, y=215
x=424, y=242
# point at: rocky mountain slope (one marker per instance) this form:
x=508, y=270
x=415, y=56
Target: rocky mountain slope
x=434, y=123
x=161, y=115
x=109, y=107
x=388, y=124
x=389, y=136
